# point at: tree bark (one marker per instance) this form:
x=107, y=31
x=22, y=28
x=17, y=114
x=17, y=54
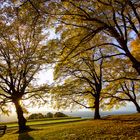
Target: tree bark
x=21, y=119
x=97, y=114
x=137, y=106
x=136, y=64
x=137, y=67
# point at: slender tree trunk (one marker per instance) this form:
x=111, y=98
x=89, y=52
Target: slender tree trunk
x=21, y=120
x=97, y=114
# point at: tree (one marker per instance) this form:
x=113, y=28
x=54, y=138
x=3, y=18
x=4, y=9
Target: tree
x=117, y=20
x=122, y=84
x=59, y=114
x=82, y=81
x=49, y=115
x=123, y=91
x=22, y=56
x=36, y=116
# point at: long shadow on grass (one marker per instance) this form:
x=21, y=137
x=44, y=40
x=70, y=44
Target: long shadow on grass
x=1, y=135
x=25, y=136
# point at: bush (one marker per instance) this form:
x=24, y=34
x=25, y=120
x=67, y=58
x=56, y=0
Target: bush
x=60, y=114
x=49, y=115
x=36, y=116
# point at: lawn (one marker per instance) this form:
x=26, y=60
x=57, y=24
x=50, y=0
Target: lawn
x=120, y=127
x=46, y=121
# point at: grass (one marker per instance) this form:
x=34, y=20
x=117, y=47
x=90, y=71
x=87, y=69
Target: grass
x=46, y=121
x=58, y=118
x=120, y=127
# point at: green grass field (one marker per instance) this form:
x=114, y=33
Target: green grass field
x=46, y=121
x=120, y=127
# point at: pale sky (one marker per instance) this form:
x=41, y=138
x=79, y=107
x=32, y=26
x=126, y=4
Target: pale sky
x=45, y=76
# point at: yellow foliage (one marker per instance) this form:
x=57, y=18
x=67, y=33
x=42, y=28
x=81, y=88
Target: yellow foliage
x=135, y=46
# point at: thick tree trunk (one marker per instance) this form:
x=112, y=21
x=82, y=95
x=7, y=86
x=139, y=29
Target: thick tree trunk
x=21, y=120
x=135, y=62
x=97, y=114
x=136, y=66
x=137, y=106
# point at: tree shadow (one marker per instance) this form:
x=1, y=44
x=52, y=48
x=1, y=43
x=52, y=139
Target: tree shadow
x=25, y=136
x=1, y=135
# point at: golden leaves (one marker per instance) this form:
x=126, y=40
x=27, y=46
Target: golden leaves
x=135, y=48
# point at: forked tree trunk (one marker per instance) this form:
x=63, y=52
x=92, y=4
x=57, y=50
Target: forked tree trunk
x=97, y=113
x=21, y=120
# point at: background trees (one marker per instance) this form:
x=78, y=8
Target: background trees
x=59, y=114
x=49, y=115
x=36, y=116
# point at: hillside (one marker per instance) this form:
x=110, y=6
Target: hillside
x=122, y=127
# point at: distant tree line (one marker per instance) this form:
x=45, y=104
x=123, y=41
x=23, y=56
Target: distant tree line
x=48, y=115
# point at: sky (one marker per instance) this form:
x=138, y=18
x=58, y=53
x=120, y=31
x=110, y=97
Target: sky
x=45, y=76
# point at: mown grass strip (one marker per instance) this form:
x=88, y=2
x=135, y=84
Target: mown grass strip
x=45, y=122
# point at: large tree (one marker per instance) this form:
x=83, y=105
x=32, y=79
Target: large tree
x=123, y=92
x=22, y=55
x=80, y=81
x=118, y=20
x=122, y=83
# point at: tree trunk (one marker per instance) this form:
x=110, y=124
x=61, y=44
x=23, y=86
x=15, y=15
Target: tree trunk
x=21, y=120
x=135, y=62
x=96, y=113
x=137, y=106
x=137, y=67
